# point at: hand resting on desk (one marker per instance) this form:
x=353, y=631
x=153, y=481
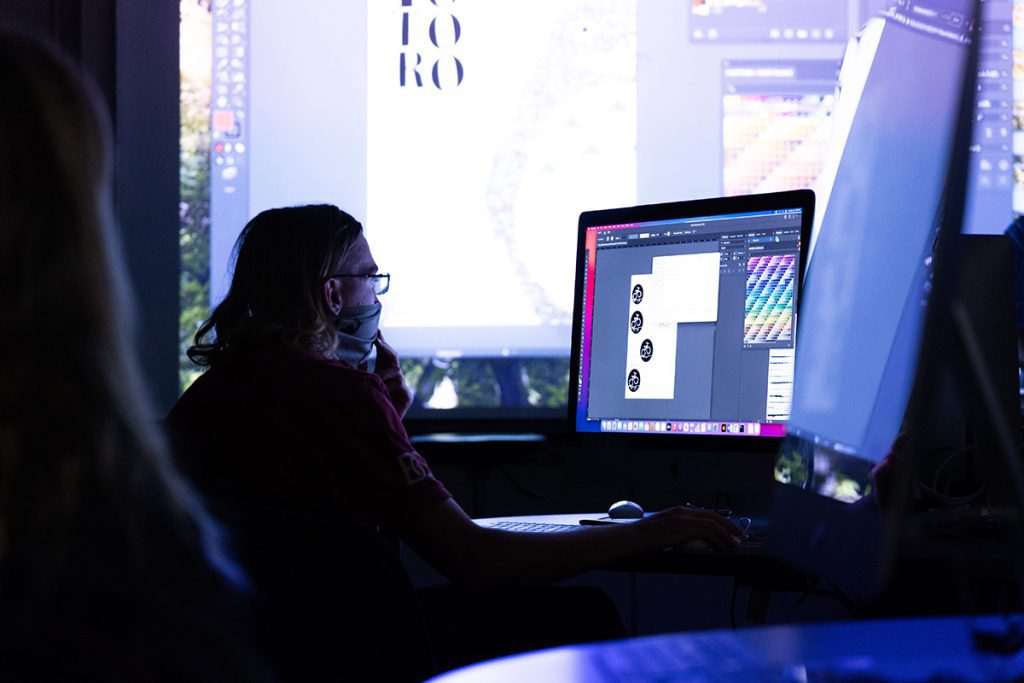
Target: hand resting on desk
x=693, y=529
x=694, y=545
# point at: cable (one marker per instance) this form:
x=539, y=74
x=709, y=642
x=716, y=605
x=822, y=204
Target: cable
x=953, y=455
x=942, y=482
x=852, y=606
x=523, y=489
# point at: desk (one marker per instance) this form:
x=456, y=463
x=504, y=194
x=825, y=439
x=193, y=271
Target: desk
x=745, y=561
x=751, y=566
x=903, y=650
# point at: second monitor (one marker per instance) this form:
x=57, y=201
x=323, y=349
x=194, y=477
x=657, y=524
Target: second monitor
x=685, y=316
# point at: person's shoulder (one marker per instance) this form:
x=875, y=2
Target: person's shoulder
x=286, y=373
x=320, y=367
x=268, y=359
x=314, y=374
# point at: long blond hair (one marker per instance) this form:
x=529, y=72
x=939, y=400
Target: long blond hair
x=76, y=424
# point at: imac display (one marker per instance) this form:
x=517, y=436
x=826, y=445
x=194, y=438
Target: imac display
x=685, y=318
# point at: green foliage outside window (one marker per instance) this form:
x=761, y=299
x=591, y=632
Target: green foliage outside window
x=194, y=200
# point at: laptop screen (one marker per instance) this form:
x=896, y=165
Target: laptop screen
x=685, y=316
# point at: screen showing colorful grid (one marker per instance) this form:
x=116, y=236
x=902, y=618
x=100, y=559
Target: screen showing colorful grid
x=769, y=307
x=774, y=142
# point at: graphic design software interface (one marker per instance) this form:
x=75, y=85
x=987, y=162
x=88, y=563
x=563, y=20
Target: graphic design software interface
x=689, y=325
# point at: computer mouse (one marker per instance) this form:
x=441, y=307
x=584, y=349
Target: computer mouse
x=625, y=509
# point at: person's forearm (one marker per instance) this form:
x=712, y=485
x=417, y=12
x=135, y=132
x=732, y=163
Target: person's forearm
x=504, y=557
x=467, y=553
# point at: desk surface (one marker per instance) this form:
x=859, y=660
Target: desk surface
x=891, y=650
x=567, y=518
x=751, y=565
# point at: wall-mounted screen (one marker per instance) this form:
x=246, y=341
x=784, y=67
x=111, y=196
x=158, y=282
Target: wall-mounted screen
x=469, y=136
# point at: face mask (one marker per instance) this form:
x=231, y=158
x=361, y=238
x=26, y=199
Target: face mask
x=357, y=330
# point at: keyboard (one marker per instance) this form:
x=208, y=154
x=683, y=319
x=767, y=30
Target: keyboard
x=533, y=527
x=750, y=536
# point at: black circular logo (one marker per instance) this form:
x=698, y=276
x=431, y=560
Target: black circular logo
x=646, y=350
x=636, y=322
x=633, y=381
x=638, y=294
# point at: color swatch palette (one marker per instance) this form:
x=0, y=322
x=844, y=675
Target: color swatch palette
x=769, y=304
x=774, y=142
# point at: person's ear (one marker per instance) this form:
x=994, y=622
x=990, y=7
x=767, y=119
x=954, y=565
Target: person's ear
x=332, y=295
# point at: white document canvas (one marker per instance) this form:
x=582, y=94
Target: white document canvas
x=689, y=286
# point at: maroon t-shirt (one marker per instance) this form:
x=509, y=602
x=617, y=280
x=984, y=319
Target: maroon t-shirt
x=285, y=426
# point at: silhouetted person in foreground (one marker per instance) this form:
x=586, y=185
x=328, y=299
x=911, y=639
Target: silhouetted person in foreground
x=110, y=569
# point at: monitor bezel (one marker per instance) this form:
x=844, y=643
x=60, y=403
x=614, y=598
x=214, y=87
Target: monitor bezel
x=802, y=199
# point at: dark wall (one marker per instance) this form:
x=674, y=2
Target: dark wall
x=83, y=28
x=146, y=189
x=130, y=49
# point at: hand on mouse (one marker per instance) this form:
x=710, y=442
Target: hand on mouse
x=388, y=369
x=683, y=524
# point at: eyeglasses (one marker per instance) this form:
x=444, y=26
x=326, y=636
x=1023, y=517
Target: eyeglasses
x=379, y=281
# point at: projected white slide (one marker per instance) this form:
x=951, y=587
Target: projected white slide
x=482, y=151
x=680, y=289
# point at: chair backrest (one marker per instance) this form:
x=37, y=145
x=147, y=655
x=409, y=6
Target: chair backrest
x=333, y=600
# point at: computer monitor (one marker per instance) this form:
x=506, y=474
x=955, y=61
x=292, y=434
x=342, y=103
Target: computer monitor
x=898, y=191
x=685, y=319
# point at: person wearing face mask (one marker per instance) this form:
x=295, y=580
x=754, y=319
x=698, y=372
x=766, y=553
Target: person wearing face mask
x=293, y=435
x=301, y=402
x=300, y=409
